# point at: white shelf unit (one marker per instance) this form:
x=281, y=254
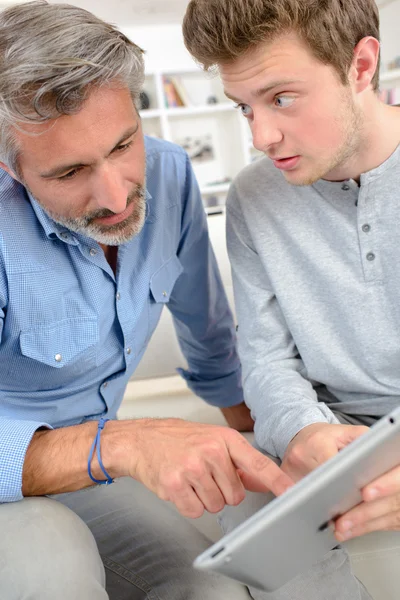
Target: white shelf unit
x=390, y=79
x=208, y=118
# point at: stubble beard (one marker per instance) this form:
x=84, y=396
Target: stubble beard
x=109, y=235
x=350, y=123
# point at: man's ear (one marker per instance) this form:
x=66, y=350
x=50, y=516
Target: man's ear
x=9, y=171
x=365, y=63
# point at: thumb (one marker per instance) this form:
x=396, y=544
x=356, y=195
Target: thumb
x=349, y=433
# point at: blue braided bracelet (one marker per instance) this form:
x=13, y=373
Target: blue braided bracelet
x=96, y=442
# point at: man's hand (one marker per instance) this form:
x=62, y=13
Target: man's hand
x=380, y=510
x=315, y=444
x=199, y=466
x=238, y=417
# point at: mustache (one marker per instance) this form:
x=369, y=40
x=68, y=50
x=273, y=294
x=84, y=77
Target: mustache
x=137, y=193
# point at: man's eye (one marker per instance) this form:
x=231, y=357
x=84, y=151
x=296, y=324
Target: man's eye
x=283, y=101
x=245, y=109
x=123, y=147
x=69, y=175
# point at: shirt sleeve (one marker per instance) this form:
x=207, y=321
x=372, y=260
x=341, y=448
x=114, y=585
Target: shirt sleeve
x=281, y=399
x=15, y=435
x=202, y=317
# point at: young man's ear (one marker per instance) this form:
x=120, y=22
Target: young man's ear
x=365, y=63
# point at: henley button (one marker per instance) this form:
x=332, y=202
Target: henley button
x=371, y=256
x=366, y=228
x=58, y=357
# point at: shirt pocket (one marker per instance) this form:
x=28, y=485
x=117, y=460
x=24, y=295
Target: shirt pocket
x=162, y=283
x=68, y=343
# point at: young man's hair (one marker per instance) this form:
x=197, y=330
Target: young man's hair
x=51, y=55
x=219, y=31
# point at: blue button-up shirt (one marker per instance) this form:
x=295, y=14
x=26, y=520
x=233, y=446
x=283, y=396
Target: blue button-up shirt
x=72, y=332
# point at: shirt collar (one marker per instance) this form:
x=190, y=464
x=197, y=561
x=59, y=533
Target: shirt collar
x=383, y=168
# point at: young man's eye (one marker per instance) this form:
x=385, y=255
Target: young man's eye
x=245, y=109
x=283, y=101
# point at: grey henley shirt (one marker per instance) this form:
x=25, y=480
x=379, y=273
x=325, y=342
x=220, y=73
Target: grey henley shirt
x=316, y=274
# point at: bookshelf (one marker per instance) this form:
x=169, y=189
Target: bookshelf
x=188, y=107
x=390, y=86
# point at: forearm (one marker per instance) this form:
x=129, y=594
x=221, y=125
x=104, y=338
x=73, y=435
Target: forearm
x=57, y=460
x=238, y=417
x=283, y=404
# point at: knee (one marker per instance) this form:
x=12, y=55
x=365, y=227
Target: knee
x=45, y=547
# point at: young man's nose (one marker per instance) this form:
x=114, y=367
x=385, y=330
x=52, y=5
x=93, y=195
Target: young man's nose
x=265, y=133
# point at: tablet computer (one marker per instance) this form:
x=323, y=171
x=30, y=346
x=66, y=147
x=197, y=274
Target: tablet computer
x=292, y=532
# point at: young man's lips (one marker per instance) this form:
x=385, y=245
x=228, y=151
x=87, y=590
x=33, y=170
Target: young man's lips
x=118, y=217
x=286, y=163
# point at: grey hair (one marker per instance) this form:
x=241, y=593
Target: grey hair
x=50, y=57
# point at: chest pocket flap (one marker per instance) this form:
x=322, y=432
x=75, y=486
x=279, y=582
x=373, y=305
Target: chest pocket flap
x=163, y=280
x=61, y=342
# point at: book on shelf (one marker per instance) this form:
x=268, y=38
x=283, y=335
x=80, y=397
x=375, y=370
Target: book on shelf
x=171, y=93
x=181, y=89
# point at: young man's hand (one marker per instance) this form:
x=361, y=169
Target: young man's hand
x=380, y=510
x=199, y=467
x=315, y=444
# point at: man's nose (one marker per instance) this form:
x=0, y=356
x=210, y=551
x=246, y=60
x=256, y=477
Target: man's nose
x=265, y=133
x=110, y=190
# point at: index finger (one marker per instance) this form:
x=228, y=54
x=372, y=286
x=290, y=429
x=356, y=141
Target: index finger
x=258, y=466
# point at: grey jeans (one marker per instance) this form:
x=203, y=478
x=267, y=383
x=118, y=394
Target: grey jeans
x=118, y=542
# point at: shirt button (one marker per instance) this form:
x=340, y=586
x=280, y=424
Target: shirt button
x=345, y=187
x=371, y=256
x=93, y=251
x=165, y=294
x=105, y=384
x=58, y=358
x=118, y=296
x=64, y=235
x=128, y=350
x=366, y=228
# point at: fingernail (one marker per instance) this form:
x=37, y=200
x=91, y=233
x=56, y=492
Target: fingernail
x=346, y=525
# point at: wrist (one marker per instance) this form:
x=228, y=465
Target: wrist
x=119, y=444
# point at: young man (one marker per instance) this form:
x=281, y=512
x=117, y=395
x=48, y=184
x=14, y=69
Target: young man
x=90, y=251
x=312, y=235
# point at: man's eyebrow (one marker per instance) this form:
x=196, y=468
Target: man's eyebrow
x=266, y=89
x=61, y=169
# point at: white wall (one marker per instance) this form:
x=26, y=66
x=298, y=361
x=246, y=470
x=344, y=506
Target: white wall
x=390, y=30
x=163, y=44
